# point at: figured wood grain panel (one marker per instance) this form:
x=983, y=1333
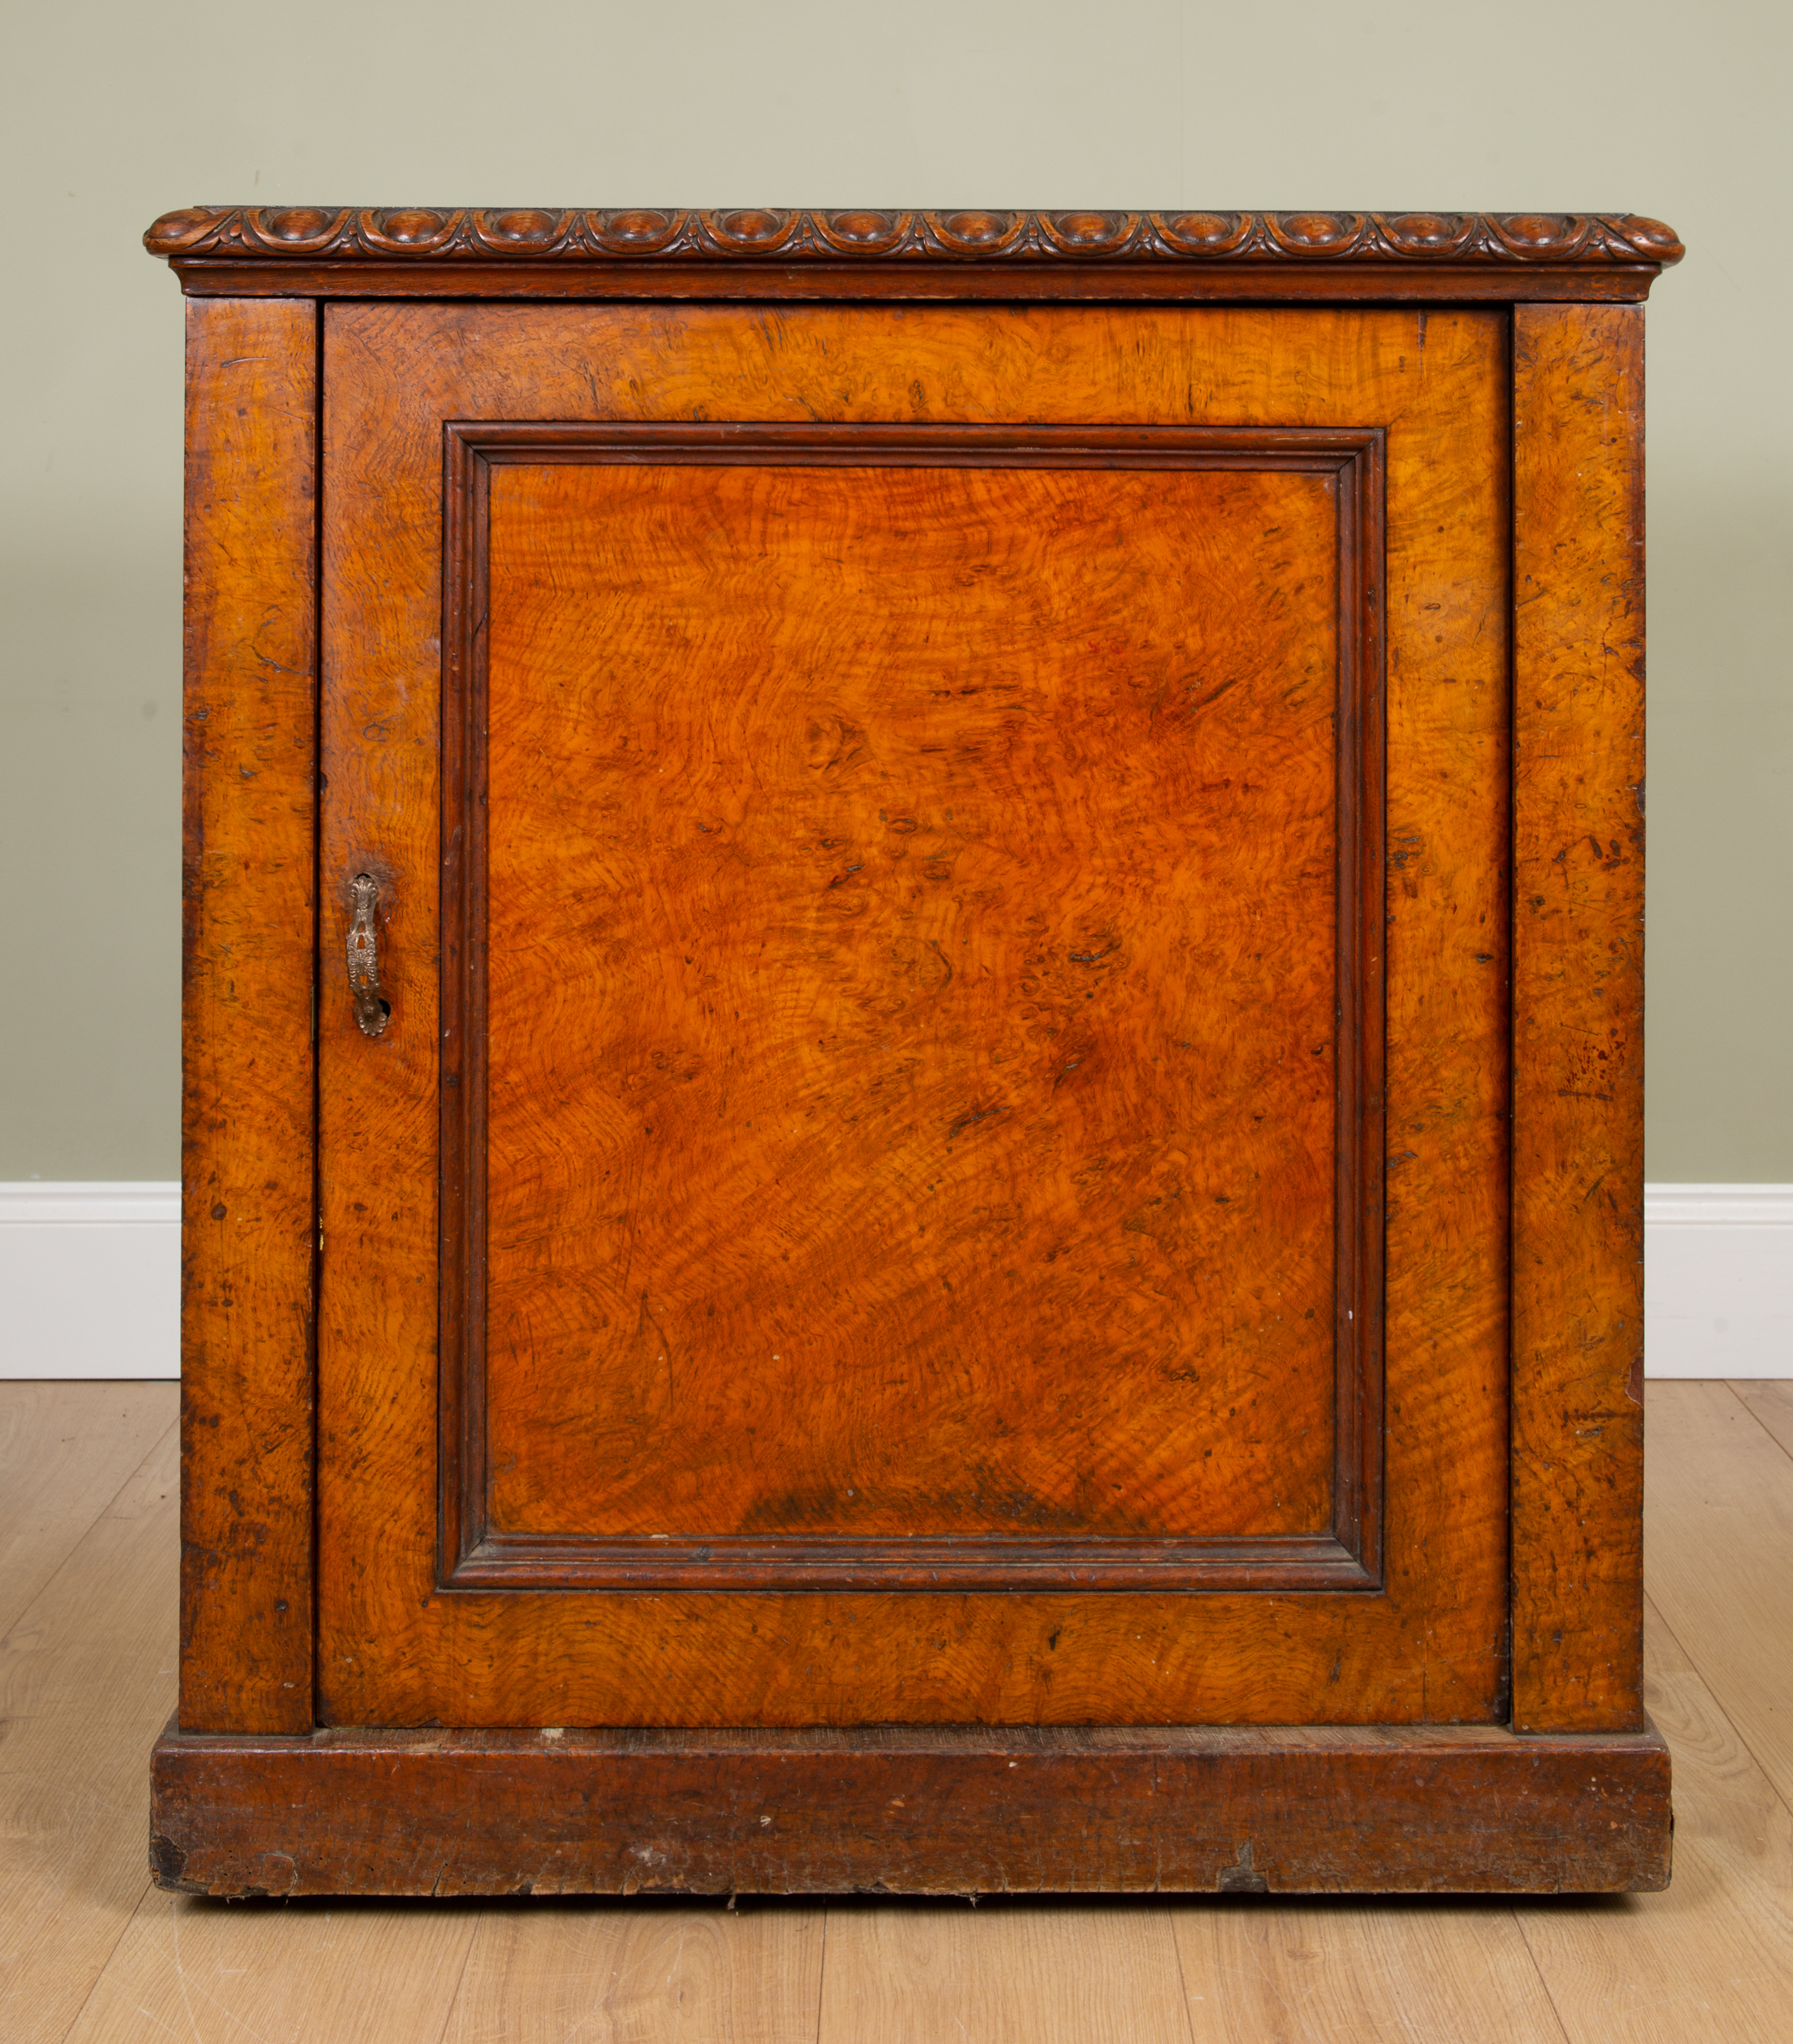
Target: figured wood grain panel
x=248, y=1125
x=839, y=1206
x=394, y=1649
x=1026, y=941
x=1577, y=1019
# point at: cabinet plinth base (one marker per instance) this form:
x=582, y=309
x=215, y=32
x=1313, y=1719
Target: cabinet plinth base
x=904, y=1810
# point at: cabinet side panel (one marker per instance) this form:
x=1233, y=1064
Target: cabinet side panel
x=249, y=1131
x=1577, y=1019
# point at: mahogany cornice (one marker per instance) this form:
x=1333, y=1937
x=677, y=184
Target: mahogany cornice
x=335, y=234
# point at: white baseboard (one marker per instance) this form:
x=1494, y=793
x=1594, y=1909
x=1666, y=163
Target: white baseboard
x=1718, y=1281
x=90, y=1280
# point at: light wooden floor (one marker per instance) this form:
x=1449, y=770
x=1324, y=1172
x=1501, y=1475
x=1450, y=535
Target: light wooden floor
x=89, y=1950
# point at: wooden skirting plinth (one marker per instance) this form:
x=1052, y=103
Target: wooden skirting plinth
x=904, y=1809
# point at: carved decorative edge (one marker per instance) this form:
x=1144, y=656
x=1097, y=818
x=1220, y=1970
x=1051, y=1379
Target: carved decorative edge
x=350, y=234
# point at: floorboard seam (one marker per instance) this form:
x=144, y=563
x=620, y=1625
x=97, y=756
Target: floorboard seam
x=99, y=1513
x=1718, y=1704
x=50, y=1581
x=1711, y=1682
x=454, y=2000
x=105, y=1965
x=129, y=1915
x=1543, y=1981
x=1182, y=1977
x=1732, y=1387
x=821, y=1978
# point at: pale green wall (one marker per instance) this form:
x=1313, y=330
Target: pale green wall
x=119, y=111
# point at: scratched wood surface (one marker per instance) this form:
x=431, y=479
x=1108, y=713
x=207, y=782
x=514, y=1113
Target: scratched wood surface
x=1578, y=1017
x=392, y=1650
x=87, y=1672
x=941, y=1810
x=248, y=1131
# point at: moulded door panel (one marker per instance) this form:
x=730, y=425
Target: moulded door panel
x=938, y=1153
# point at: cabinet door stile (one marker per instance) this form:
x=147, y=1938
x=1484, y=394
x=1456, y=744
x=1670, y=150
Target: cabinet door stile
x=250, y=1123
x=1577, y=1020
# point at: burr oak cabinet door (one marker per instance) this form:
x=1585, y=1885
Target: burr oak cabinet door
x=913, y=1126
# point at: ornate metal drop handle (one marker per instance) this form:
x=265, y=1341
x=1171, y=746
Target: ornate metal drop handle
x=371, y=1012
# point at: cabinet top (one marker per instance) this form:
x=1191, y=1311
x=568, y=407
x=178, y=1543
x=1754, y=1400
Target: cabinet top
x=887, y=252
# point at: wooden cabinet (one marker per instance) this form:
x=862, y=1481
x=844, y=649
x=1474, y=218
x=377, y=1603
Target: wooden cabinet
x=913, y=1066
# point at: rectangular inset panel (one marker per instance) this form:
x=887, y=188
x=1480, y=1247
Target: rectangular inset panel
x=912, y=1096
